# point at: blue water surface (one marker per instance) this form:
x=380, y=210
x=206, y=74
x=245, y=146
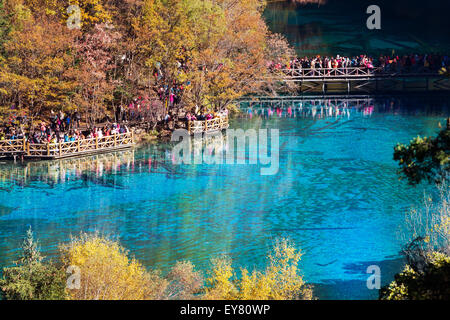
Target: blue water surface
x=337, y=195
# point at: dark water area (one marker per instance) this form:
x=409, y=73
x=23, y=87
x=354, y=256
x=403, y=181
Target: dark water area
x=339, y=27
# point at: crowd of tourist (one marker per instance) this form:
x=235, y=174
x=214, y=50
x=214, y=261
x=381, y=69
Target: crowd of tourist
x=385, y=63
x=45, y=134
x=11, y=133
x=65, y=127
x=172, y=94
x=137, y=110
x=60, y=128
x=201, y=115
x=147, y=109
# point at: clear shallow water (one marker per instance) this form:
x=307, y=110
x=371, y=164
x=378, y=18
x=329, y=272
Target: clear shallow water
x=336, y=195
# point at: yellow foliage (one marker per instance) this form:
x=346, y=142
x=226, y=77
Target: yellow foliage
x=107, y=273
x=92, y=12
x=219, y=282
x=279, y=281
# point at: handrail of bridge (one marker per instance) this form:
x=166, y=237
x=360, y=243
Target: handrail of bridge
x=12, y=146
x=357, y=72
x=64, y=149
x=200, y=126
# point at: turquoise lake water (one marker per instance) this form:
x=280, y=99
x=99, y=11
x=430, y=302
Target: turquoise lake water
x=336, y=195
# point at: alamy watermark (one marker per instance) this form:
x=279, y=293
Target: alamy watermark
x=74, y=279
x=74, y=20
x=374, y=20
x=374, y=280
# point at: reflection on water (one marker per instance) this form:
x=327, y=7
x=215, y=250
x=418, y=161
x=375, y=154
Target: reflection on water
x=91, y=168
x=317, y=109
x=337, y=195
x=342, y=108
x=104, y=169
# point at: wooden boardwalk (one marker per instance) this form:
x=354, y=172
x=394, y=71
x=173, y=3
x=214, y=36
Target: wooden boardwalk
x=19, y=148
x=362, y=80
x=206, y=126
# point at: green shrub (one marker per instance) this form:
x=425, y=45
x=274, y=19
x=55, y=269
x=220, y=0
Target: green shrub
x=433, y=283
x=31, y=279
x=36, y=281
x=425, y=158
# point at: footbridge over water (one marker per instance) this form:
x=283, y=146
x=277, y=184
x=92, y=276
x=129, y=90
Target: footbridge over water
x=22, y=148
x=354, y=80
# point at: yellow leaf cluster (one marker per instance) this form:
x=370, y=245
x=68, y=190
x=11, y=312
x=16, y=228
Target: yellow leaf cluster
x=279, y=281
x=107, y=273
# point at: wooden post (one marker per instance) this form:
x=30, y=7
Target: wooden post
x=96, y=143
x=48, y=149
x=60, y=149
x=24, y=144
x=78, y=147
x=115, y=140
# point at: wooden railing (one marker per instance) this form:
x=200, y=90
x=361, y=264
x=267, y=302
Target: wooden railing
x=12, y=146
x=200, y=126
x=65, y=149
x=322, y=72
x=350, y=72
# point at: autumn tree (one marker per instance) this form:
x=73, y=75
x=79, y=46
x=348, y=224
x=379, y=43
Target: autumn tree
x=425, y=158
x=431, y=284
x=94, y=89
x=210, y=52
x=91, y=12
x=108, y=273
x=5, y=27
x=232, y=59
x=162, y=38
x=35, y=70
x=217, y=50
x=184, y=282
x=281, y=279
